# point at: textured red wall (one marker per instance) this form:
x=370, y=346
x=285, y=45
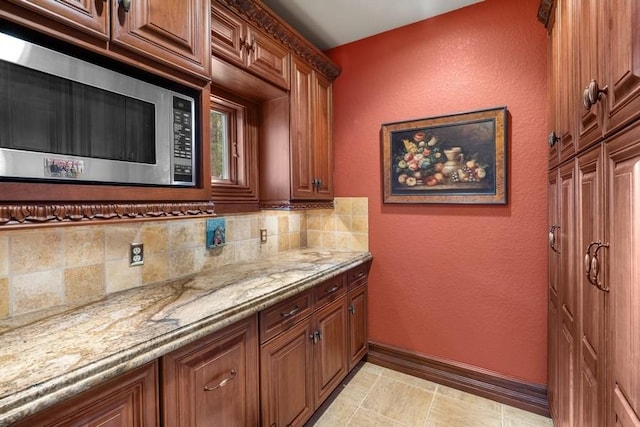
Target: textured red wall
x=464, y=283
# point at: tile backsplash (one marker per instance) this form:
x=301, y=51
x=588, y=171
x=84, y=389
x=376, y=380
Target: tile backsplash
x=71, y=265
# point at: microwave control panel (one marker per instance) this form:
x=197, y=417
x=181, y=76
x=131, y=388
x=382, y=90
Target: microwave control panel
x=183, y=167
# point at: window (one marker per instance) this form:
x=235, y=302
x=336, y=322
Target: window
x=233, y=152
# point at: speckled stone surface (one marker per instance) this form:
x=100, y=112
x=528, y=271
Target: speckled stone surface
x=54, y=358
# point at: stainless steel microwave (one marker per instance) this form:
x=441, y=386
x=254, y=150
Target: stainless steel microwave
x=66, y=119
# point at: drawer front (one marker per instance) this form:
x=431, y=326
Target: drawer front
x=284, y=315
x=358, y=275
x=329, y=290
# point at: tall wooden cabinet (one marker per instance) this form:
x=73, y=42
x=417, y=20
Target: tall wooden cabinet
x=594, y=214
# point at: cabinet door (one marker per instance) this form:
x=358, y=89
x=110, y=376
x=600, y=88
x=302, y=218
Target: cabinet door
x=302, y=179
x=267, y=58
x=623, y=31
x=565, y=97
x=330, y=349
x=567, y=290
x=553, y=325
x=589, y=29
x=323, y=137
x=227, y=35
x=592, y=351
x=215, y=378
x=286, y=377
x=624, y=275
x=357, y=335
x=129, y=400
x=168, y=31
x=89, y=16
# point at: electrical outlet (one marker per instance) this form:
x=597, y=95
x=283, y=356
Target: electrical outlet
x=263, y=235
x=136, y=254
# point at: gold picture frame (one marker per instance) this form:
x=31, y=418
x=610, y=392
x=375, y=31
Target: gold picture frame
x=458, y=158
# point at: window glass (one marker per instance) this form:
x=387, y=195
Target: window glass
x=220, y=143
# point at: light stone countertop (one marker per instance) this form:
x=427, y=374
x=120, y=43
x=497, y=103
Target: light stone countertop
x=57, y=357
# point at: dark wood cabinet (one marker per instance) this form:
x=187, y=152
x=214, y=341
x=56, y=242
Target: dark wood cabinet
x=130, y=400
x=172, y=32
x=234, y=40
x=330, y=349
x=214, y=378
x=307, y=350
x=286, y=376
x=594, y=352
x=358, y=344
x=311, y=134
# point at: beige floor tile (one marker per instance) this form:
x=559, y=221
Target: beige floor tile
x=401, y=402
x=514, y=417
x=337, y=414
x=370, y=367
x=409, y=379
x=470, y=399
x=366, y=418
x=448, y=412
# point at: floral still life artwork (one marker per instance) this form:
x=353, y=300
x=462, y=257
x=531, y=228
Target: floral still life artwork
x=216, y=232
x=458, y=158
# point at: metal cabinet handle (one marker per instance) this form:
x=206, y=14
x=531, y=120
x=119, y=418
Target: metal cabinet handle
x=592, y=264
x=332, y=290
x=352, y=309
x=222, y=383
x=315, y=336
x=125, y=5
x=552, y=238
x=552, y=139
x=293, y=312
x=592, y=94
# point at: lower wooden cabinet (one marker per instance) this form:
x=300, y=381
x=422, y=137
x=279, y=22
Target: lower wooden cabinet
x=213, y=381
x=286, y=377
x=129, y=400
x=314, y=350
x=357, y=324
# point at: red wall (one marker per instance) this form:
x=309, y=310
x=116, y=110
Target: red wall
x=464, y=283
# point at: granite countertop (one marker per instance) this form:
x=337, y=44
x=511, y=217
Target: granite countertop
x=54, y=358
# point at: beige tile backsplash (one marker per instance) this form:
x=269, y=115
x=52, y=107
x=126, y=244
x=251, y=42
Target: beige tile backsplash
x=48, y=267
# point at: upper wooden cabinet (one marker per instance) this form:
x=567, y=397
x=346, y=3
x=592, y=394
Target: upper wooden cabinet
x=170, y=32
x=233, y=39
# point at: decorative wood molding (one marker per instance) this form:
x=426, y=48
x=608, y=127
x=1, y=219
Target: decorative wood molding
x=544, y=13
x=272, y=25
x=24, y=215
x=293, y=206
x=481, y=382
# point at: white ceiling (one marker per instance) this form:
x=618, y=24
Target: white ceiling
x=331, y=23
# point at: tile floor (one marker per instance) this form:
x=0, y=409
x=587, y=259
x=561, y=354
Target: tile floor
x=376, y=396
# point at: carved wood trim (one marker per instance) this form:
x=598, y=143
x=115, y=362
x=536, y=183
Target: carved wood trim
x=292, y=206
x=39, y=214
x=268, y=22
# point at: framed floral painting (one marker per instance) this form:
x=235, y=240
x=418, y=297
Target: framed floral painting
x=458, y=158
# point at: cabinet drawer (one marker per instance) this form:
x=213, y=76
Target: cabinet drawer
x=358, y=275
x=328, y=291
x=284, y=315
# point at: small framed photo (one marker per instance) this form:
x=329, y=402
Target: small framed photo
x=457, y=158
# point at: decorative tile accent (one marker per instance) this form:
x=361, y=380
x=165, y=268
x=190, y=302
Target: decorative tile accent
x=216, y=232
